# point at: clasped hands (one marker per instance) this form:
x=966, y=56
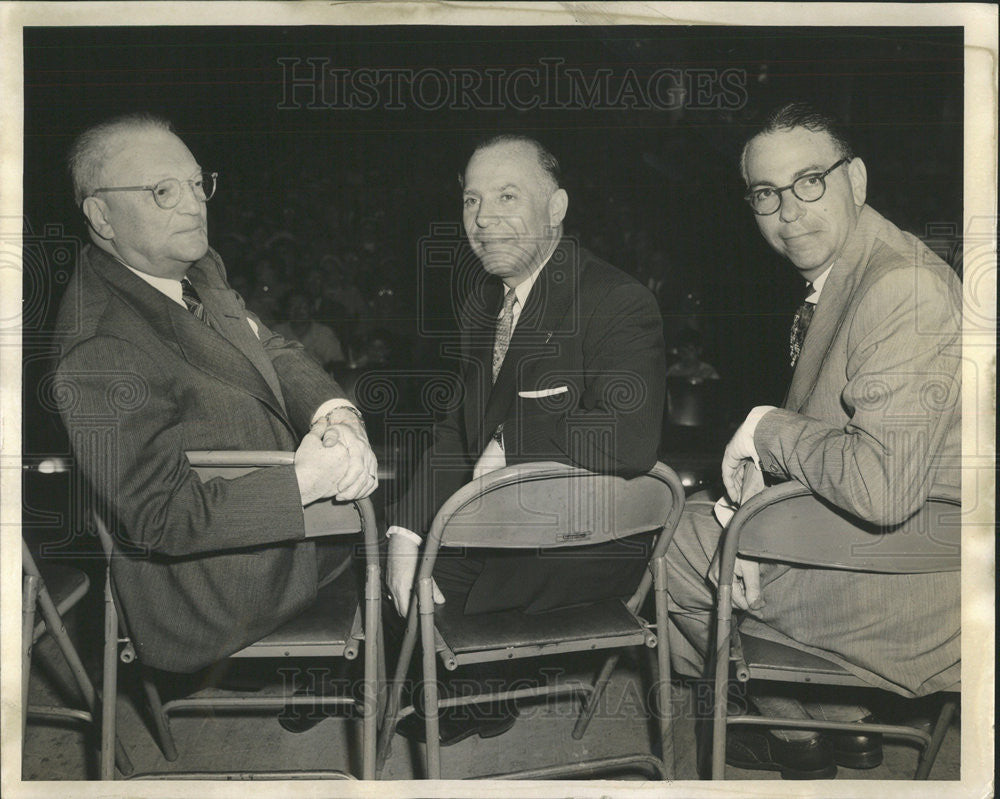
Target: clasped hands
x=335, y=460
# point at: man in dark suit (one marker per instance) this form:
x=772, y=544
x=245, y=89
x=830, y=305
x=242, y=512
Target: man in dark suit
x=563, y=360
x=871, y=423
x=159, y=356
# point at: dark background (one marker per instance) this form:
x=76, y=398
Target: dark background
x=655, y=192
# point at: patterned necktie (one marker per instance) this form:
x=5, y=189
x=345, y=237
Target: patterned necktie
x=192, y=300
x=505, y=325
x=800, y=326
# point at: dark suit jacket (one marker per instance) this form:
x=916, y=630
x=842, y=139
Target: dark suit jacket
x=588, y=332
x=203, y=568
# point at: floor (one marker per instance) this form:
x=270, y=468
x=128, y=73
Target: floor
x=55, y=751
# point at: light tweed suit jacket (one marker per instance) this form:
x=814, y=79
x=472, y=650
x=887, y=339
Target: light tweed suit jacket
x=872, y=423
x=203, y=568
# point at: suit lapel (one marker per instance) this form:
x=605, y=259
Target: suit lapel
x=202, y=347
x=230, y=321
x=831, y=312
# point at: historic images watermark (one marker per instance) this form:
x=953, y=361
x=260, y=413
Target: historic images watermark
x=320, y=84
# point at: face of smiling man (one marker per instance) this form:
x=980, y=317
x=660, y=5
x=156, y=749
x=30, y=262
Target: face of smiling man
x=810, y=234
x=512, y=210
x=158, y=241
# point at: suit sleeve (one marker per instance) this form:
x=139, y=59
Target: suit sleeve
x=614, y=425
x=127, y=431
x=903, y=394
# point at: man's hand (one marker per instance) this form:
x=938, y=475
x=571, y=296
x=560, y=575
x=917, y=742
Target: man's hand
x=402, y=567
x=343, y=430
x=739, y=448
x=319, y=469
x=746, y=582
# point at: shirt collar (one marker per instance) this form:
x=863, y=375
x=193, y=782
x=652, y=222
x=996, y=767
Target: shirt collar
x=523, y=289
x=165, y=285
x=817, y=286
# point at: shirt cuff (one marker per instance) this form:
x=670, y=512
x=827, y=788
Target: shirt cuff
x=394, y=530
x=330, y=405
x=751, y=422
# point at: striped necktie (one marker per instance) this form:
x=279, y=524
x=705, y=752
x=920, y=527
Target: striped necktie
x=192, y=300
x=505, y=325
x=800, y=326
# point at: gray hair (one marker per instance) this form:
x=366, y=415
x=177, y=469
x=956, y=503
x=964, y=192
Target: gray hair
x=800, y=115
x=91, y=149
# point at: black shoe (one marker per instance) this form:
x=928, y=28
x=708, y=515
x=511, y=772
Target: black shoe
x=856, y=750
x=758, y=748
x=301, y=718
x=457, y=724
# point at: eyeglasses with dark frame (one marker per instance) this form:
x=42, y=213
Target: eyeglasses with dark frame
x=167, y=192
x=808, y=188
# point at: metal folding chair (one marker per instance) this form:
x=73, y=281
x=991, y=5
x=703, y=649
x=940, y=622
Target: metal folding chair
x=54, y=595
x=336, y=625
x=543, y=505
x=789, y=523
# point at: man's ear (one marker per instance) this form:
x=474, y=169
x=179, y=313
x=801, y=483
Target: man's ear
x=558, y=203
x=857, y=173
x=96, y=212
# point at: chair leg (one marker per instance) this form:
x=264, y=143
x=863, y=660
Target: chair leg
x=396, y=688
x=29, y=601
x=663, y=696
x=426, y=608
x=594, y=698
x=109, y=695
x=373, y=601
x=721, y=680
x=929, y=755
x=160, y=720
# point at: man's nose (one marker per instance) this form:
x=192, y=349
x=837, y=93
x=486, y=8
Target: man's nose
x=791, y=206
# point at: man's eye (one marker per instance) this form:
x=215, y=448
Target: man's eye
x=161, y=191
x=469, y=202
x=762, y=195
x=809, y=181
x=507, y=197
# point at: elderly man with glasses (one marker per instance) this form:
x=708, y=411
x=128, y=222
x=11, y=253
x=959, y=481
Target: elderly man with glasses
x=158, y=355
x=871, y=423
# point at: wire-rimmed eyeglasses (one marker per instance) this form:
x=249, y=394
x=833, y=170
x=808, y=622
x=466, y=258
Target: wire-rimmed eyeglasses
x=808, y=188
x=167, y=192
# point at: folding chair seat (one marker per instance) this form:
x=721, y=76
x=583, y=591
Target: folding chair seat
x=55, y=592
x=337, y=624
x=543, y=505
x=788, y=523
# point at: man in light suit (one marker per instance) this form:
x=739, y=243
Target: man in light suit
x=563, y=360
x=871, y=423
x=159, y=356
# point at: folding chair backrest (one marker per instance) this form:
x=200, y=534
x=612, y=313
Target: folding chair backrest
x=552, y=505
x=791, y=524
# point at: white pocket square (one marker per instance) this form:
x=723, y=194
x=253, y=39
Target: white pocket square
x=253, y=327
x=545, y=392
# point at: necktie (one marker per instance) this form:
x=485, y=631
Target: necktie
x=505, y=325
x=800, y=326
x=192, y=300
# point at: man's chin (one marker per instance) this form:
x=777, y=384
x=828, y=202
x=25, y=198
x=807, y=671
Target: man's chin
x=504, y=264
